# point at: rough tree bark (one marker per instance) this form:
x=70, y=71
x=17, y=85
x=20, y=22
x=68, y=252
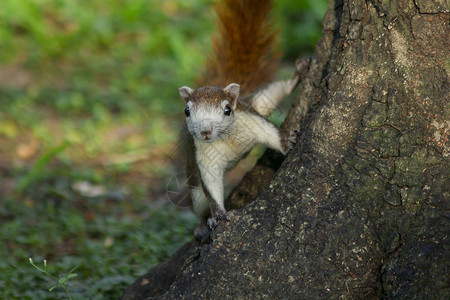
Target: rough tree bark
x=360, y=208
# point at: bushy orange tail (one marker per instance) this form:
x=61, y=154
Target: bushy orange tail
x=244, y=48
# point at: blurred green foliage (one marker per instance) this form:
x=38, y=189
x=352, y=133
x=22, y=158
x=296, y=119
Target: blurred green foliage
x=300, y=26
x=88, y=97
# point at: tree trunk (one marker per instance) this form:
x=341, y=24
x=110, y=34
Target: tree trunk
x=360, y=208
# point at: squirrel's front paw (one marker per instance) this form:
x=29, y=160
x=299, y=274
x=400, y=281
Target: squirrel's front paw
x=302, y=66
x=220, y=215
x=294, y=136
x=212, y=223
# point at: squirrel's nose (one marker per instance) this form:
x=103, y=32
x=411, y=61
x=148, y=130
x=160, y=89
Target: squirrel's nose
x=205, y=133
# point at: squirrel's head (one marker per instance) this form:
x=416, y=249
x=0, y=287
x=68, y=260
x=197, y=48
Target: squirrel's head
x=210, y=111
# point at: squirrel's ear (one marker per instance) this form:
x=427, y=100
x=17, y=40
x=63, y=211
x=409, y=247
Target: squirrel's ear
x=233, y=91
x=185, y=92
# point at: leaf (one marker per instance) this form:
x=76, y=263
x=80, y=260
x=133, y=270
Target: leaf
x=73, y=269
x=71, y=275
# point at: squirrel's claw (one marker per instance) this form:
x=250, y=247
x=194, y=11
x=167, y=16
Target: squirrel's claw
x=220, y=215
x=212, y=223
x=302, y=67
x=293, y=138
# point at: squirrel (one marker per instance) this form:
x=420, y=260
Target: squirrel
x=223, y=126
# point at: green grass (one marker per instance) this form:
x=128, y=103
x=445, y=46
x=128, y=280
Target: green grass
x=89, y=112
x=111, y=240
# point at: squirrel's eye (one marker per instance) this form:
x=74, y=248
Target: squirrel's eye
x=227, y=110
x=187, y=111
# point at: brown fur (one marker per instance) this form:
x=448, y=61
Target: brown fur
x=244, y=48
x=209, y=94
x=215, y=95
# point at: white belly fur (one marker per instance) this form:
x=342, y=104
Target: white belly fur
x=214, y=159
